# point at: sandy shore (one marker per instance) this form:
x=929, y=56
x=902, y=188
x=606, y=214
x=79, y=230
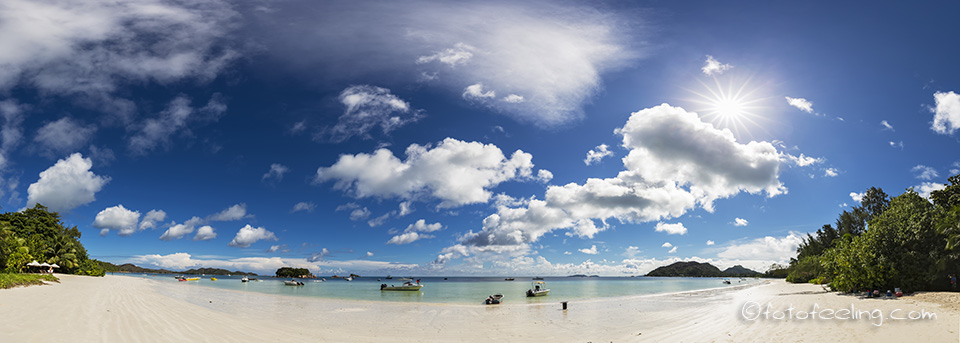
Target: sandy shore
x=127, y=309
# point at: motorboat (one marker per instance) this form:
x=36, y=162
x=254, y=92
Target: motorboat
x=293, y=283
x=213, y=279
x=494, y=299
x=349, y=278
x=189, y=279
x=538, y=289
x=509, y=279
x=244, y=279
x=406, y=286
x=726, y=282
x=538, y=278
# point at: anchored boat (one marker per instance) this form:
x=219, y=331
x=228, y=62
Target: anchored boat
x=494, y=299
x=539, y=289
x=406, y=286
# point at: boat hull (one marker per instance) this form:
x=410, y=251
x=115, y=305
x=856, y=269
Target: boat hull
x=538, y=294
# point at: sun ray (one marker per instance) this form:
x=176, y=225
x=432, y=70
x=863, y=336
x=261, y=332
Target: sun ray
x=736, y=105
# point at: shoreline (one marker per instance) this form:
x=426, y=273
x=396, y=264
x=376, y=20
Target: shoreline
x=121, y=309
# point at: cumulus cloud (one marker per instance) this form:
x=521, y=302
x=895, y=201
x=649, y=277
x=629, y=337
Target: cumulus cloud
x=801, y=103
x=151, y=219
x=406, y=208
x=367, y=108
x=235, y=212
x=886, y=125
x=475, y=92
x=591, y=251
x=67, y=184
x=369, y=254
x=554, y=61
x=802, y=160
x=676, y=163
x=544, y=175
x=672, y=250
x=303, y=206
x=407, y=238
x=923, y=172
x=275, y=173
x=177, y=231
x=597, y=154
x=117, y=218
x=63, y=136
x=740, y=222
x=513, y=99
x=712, y=66
x=205, y=233
x=249, y=235
x=414, y=232
x=925, y=188
x=265, y=265
x=157, y=132
x=830, y=172
x=946, y=113
x=455, y=172
x=422, y=226
x=672, y=229
x=766, y=248
x=666, y=245
x=857, y=196
x=709, y=242
x=89, y=50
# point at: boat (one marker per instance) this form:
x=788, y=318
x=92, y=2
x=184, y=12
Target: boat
x=389, y=277
x=539, y=289
x=406, y=286
x=189, y=279
x=349, y=278
x=213, y=279
x=538, y=278
x=494, y=299
x=244, y=279
x=509, y=279
x=405, y=279
x=726, y=282
x=293, y=283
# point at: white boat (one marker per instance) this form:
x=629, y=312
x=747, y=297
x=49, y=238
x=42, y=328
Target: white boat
x=494, y=299
x=539, y=289
x=244, y=279
x=406, y=279
x=349, y=278
x=406, y=286
x=293, y=283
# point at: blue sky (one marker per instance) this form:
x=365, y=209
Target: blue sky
x=484, y=138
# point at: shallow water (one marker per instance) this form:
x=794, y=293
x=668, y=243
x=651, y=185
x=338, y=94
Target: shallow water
x=460, y=290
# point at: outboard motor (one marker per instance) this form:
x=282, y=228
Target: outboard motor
x=382, y=286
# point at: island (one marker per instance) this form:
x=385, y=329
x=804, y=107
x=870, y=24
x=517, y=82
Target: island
x=697, y=269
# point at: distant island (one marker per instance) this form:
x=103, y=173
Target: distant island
x=697, y=269
x=131, y=268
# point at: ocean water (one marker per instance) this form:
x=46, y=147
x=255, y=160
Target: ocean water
x=459, y=290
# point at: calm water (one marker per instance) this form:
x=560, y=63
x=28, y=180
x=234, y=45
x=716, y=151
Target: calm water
x=462, y=290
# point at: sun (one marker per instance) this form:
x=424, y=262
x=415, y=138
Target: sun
x=733, y=106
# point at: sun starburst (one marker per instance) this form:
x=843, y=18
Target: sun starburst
x=735, y=106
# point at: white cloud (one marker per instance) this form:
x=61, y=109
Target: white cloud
x=591, y=251
x=265, y=265
x=63, y=136
x=157, y=132
x=455, y=172
x=896, y=145
x=924, y=173
x=360, y=214
x=567, y=253
x=946, y=114
x=672, y=229
x=117, y=218
x=676, y=163
x=90, y=50
x=740, y=222
x=369, y=254
x=801, y=103
x=275, y=173
x=380, y=220
x=709, y=242
x=631, y=251
x=767, y=248
x=274, y=248
x=177, y=231
x=407, y=238
x=303, y=206
x=406, y=208
x=955, y=168
x=830, y=172
x=666, y=245
x=459, y=54
x=513, y=99
x=597, y=154
x=925, y=188
x=475, y=92
x=544, y=175
x=672, y=250
x=886, y=125
x=802, y=160
x=12, y=131
x=205, y=233
x=422, y=226
x=151, y=219
x=67, y=184
x=857, y=196
x=712, y=66
x=249, y=235
x=368, y=108
x=235, y=212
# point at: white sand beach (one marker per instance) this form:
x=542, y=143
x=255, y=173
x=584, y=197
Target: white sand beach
x=128, y=309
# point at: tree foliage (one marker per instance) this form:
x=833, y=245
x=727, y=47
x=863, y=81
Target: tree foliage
x=39, y=234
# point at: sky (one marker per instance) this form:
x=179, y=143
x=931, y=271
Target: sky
x=469, y=137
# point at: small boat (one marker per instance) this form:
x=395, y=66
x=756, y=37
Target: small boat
x=509, y=279
x=293, y=283
x=178, y=277
x=539, y=289
x=494, y=299
x=349, y=278
x=726, y=282
x=245, y=279
x=189, y=279
x=538, y=278
x=406, y=286
x=389, y=277
x=213, y=279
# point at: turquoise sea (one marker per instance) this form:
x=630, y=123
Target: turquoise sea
x=459, y=290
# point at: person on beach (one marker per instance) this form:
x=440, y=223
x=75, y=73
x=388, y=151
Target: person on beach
x=953, y=281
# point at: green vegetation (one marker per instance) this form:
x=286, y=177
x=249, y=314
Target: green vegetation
x=740, y=271
x=697, y=269
x=15, y=280
x=907, y=242
x=38, y=234
x=292, y=272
